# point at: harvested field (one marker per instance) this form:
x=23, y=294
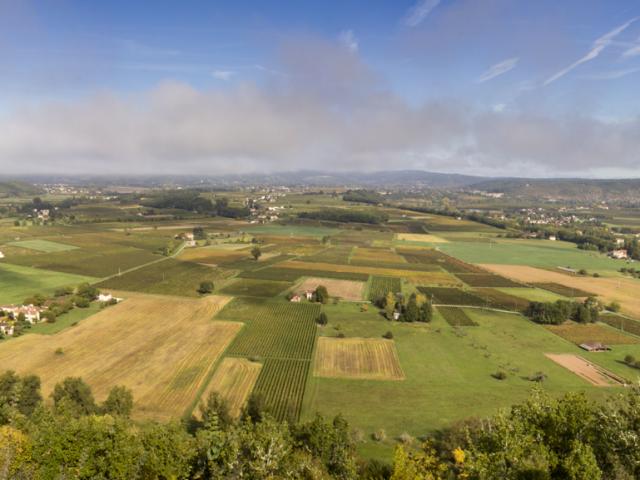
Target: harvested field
x=234, y=380
x=255, y=288
x=586, y=370
x=486, y=280
x=456, y=317
x=139, y=343
x=562, y=289
x=621, y=323
x=357, y=358
x=591, y=332
x=380, y=286
x=622, y=290
x=380, y=255
x=345, y=289
x=451, y=296
x=421, y=237
x=213, y=255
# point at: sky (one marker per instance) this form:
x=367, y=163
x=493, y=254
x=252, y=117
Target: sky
x=541, y=88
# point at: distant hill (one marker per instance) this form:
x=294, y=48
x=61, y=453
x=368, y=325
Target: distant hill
x=18, y=189
x=564, y=188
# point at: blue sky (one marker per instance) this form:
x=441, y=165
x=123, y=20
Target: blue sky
x=494, y=87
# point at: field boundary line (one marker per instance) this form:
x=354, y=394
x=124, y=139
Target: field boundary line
x=478, y=308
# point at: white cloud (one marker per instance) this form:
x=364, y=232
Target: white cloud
x=349, y=40
x=421, y=10
x=224, y=75
x=596, y=49
x=498, y=69
x=328, y=109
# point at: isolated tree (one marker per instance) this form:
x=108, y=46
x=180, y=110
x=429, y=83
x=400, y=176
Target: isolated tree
x=256, y=253
x=322, y=319
x=411, y=313
x=322, y=294
x=205, y=287
x=199, y=233
x=119, y=402
x=389, y=305
x=88, y=291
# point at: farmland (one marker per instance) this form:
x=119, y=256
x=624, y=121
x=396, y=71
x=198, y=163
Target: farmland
x=344, y=289
x=380, y=286
x=17, y=282
x=456, y=317
x=577, y=333
x=168, y=277
x=138, y=344
x=254, y=341
x=234, y=380
x=363, y=358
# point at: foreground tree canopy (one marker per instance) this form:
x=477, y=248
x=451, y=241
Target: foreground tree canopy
x=75, y=437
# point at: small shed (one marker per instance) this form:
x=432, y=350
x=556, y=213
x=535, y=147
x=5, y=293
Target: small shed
x=595, y=347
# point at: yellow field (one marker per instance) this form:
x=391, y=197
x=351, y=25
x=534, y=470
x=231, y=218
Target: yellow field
x=160, y=347
x=377, y=255
x=361, y=358
x=421, y=237
x=623, y=290
x=213, y=255
x=346, y=289
x=234, y=380
x=441, y=278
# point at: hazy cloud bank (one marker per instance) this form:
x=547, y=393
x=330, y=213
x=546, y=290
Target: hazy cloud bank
x=327, y=110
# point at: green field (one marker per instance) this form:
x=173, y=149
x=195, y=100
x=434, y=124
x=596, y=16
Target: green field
x=448, y=373
x=17, y=282
x=380, y=286
x=46, y=246
x=168, y=277
x=255, y=288
x=535, y=253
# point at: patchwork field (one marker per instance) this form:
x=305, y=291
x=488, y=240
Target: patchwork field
x=139, y=343
x=623, y=290
x=362, y=358
x=486, y=280
x=282, y=337
x=592, y=332
x=213, y=255
x=234, y=380
x=345, y=289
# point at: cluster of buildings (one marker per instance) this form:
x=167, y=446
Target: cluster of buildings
x=187, y=237
x=540, y=216
x=31, y=315
x=297, y=298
